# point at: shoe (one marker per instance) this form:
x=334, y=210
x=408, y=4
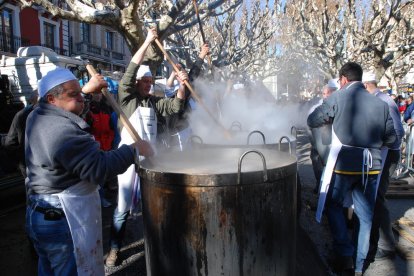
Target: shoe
x=112, y=257
x=105, y=203
x=384, y=254
x=358, y=274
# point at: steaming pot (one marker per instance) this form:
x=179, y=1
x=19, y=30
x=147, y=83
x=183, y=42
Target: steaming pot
x=219, y=211
x=254, y=139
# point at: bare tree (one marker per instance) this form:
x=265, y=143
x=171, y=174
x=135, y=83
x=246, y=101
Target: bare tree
x=375, y=33
x=243, y=39
x=128, y=16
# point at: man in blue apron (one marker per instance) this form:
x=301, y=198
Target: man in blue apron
x=382, y=242
x=147, y=113
x=64, y=168
x=361, y=125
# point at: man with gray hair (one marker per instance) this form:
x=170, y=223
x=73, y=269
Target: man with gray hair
x=320, y=137
x=64, y=168
x=382, y=242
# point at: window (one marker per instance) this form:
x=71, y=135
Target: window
x=49, y=35
x=109, y=40
x=86, y=32
x=6, y=30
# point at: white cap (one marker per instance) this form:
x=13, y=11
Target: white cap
x=238, y=86
x=52, y=79
x=143, y=71
x=333, y=83
x=368, y=76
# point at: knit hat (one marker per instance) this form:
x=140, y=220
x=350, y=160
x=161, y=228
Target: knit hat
x=143, y=71
x=52, y=79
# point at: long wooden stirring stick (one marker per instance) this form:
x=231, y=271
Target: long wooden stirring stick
x=203, y=36
x=193, y=93
x=122, y=117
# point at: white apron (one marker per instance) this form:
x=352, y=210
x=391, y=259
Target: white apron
x=82, y=206
x=144, y=120
x=336, y=147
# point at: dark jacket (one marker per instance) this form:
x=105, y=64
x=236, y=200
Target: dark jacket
x=15, y=137
x=359, y=120
x=60, y=152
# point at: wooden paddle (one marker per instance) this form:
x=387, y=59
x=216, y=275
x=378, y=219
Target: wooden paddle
x=203, y=36
x=193, y=93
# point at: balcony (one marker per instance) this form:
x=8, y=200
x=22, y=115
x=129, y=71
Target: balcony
x=11, y=43
x=86, y=48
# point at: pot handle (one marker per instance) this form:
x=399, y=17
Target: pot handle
x=235, y=124
x=191, y=139
x=253, y=132
x=288, y=140
x=240, y=163
x=294, y=131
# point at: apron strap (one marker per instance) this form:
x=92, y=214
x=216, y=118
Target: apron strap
x=366, y=165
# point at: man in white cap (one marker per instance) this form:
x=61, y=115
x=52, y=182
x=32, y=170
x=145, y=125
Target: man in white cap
x=320, y=137
x=147, y=113
x=382, y=242
x=64, y=168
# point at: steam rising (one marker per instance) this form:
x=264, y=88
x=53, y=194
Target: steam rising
x=242, y=111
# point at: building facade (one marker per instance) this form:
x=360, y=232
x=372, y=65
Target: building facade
x=103, y=47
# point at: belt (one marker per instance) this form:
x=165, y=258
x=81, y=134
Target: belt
x=49, y=212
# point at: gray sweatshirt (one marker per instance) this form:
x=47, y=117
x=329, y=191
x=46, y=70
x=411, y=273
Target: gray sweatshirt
x=60, y=152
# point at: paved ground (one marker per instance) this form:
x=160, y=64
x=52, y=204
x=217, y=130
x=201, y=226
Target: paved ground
x=313, y=244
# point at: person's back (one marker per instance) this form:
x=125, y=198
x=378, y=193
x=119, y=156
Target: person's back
x=356, y=121
x=101, y=123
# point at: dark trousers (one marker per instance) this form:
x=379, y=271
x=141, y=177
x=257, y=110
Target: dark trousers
x=381, y=231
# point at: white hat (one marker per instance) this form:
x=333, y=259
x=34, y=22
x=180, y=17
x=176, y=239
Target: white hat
x=333, y=83
x=52, y=79
x=368, y=76
x=238, y=86
x=143, y=71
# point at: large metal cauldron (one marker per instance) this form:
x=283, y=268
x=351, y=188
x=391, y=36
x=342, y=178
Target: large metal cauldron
x=203, y=217
x=254, y=139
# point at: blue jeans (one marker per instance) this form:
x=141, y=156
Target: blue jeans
x=51, y=239
x=118, y=228
x=364, y=201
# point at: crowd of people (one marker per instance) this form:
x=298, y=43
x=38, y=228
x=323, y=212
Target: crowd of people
x=72, y=148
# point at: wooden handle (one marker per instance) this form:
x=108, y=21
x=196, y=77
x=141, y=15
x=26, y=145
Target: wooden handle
x=122, y=117
x=193, y=93
x=203, y=36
